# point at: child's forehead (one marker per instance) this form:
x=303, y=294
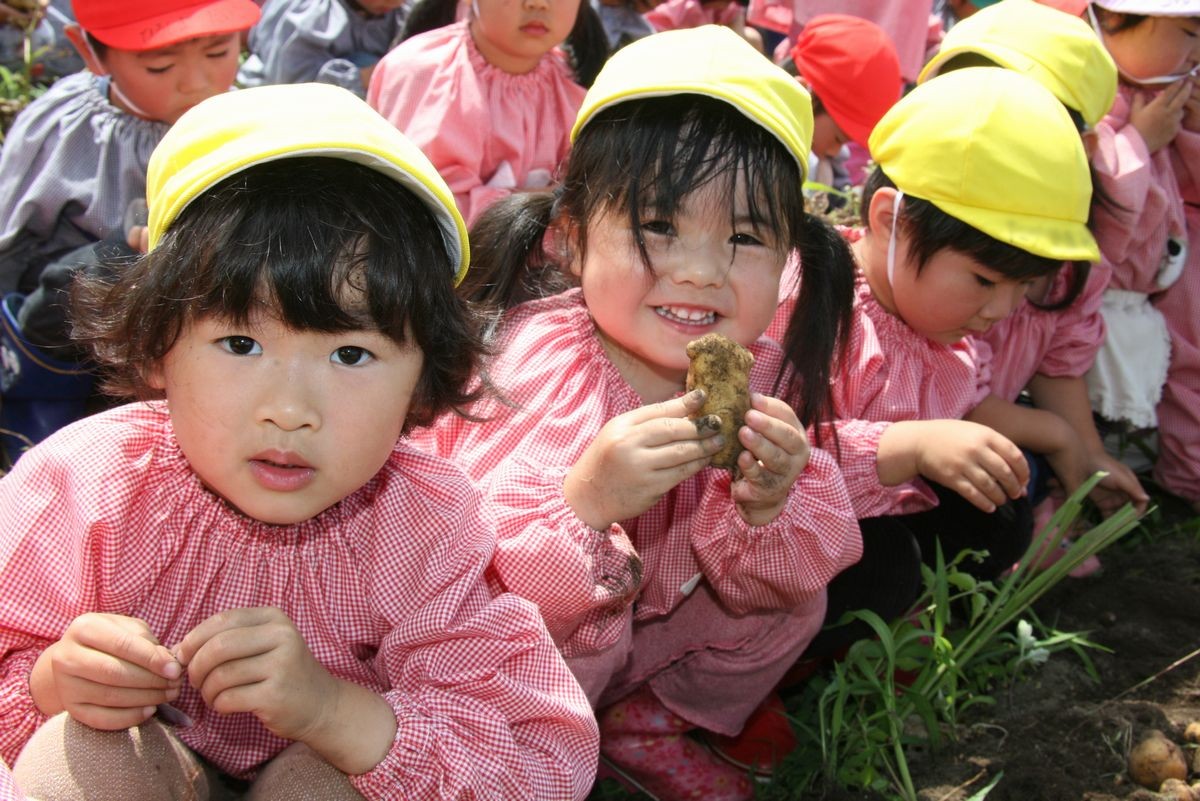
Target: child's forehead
x=174, y=48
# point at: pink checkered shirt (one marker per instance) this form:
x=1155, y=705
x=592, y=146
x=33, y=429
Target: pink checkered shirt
x=387, y=588
x=562, y=389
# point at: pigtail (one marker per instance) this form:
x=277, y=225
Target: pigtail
x=818, y=330
x=509, y=262
x=427, y=15
x=587, y=45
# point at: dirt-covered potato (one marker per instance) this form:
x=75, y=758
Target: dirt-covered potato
x=721, y=367
x=1176, y=790
x=1155, y=759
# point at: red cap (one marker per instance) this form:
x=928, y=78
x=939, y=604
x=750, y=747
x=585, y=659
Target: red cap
x=851, y=65
x=150, y=24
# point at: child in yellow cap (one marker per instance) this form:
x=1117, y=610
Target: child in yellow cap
x=962, y=212
x=248, y=550
x=679, y=592
x=1147, y=158
x=1050, y=341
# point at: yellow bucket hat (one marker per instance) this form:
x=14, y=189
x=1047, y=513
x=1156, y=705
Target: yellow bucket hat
x=996, y=150
x=709, y=60
x=1059, y=51
x=236, y=130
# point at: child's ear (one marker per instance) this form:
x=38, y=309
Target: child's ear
x=880, y=214
x=79, y=41
x=562, y=240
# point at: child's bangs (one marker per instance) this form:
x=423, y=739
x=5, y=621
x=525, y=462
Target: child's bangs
x=647, y=156
x=325, y=260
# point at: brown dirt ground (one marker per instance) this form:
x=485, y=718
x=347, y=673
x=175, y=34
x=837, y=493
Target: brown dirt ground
x=1059, y=735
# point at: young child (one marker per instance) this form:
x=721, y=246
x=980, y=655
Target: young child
x=679, y=592
x=75, y=160
x=962, y=212
x=850, y=67
x=255, y=549
x=1048, y=343
x=1147, y=158
x=489, y=99
x=331, y=41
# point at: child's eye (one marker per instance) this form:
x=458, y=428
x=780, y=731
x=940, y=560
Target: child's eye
x=659, y=227
x=745, y=239
x=351, y=356
x=159, y=70
x=984, y=282
x=219, y=54
x=240, y=346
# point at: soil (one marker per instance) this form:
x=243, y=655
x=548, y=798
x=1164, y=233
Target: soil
x=1061, y=736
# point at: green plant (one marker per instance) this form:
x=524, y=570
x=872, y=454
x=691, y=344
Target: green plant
x=19, y=87
x=908, y=686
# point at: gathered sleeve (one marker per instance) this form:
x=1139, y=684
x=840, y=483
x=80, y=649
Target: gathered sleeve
x=787, y=562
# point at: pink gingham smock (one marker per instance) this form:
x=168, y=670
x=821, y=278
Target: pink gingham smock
x=8, y=788
x=1161, y=194
x=890, y=374
x=387, y=587
x=1058, y=344
x=470, y=118
x=587, y=583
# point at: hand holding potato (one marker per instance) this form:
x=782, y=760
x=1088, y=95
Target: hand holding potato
x=638, y=457
x=776, y=453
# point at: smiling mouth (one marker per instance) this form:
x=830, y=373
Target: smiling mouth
x=686, y=316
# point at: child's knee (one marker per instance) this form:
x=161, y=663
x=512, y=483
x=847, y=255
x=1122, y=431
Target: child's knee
x=299, y=772
x=66, y=761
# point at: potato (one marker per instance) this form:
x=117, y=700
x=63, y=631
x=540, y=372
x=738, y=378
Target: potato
x=1176, y=790
x=721, y=367
x=1192, y=732
x=1156, y=759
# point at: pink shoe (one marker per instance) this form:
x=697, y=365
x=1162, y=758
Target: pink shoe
x=644, y=743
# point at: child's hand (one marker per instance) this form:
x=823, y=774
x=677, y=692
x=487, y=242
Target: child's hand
x=975, y=461
x=1119, y=487
x=1191, y=109
x=254, y=660
x=776, y=453
x=107, y=671
x=637, y=458
x=1159, y=120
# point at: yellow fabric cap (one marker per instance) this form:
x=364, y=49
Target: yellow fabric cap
x=1059, y=51
x=709, y=60
x=236, y=130
x=996, y=150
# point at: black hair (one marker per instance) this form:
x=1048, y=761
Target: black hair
x=653, y=153
x=295, y=232
x=1116, y=21
x=586, y=44
x=98, y=47
x=931, y=230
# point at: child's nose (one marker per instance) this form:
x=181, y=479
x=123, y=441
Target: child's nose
x=288, y=399
x=700, y=266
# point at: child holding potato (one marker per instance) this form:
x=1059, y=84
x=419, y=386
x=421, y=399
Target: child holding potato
x=678, y=592
x=253, y=548
x=955, y=232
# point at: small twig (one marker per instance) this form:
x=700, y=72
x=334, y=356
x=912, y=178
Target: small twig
x=1156, y=676
x=982, y=773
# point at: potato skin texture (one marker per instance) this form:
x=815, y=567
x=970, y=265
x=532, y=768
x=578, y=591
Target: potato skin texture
x=1155, y=759
x=721, y=367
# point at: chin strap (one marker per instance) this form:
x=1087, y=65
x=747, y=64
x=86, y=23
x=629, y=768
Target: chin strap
x=891, y=265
